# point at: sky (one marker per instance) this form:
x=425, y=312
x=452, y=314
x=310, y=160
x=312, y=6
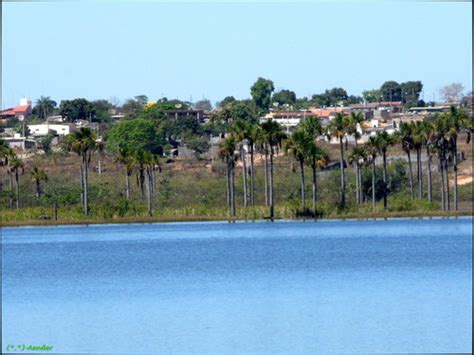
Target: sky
x=101, y=50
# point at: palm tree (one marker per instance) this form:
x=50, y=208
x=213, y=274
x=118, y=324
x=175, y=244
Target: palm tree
x=16, y=165
x=5, y=153
x=372, y=148
x=261, y=145
x=317, y=157
x=459, y=123
x=337, y=129
x=418, y=142
x=126, y=157
x=357, y=155
x=384, y=140
x=45, y=106
x=139, y=160
x=242, y=132
x=227, y=153
x=297, y=145
x=441, y=141
x=37, y=175
x=428, y=138
x=355, y=120
x=405, y=137
x=149, y=162
x=273, y=137
x=84, y=143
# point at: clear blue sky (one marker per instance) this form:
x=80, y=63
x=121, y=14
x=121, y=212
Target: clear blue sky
x=103, y=50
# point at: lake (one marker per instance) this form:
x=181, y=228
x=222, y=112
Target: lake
x=401, y=285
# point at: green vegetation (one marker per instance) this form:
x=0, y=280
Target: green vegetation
x=262, y=172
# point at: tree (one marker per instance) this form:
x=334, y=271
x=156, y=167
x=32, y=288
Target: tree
x=136, y=134
x=441, y=125
x=318, y=158
x=77, y=109
x=44, y=107
x=149, y=161
x=356, y=157
x=337, y=128
x=418, y=138
x=261, y=92
x=16, y=167
x=372, y=148
x=84, y=143
x=132, y=108
x=405, y=137
x=226, y=101
x=333, y=97
x=227, y=153
x=242, y=132
x=284, y=97
x=451, y=93
x=459, y=122
x=372, y=95
x=273, y=137
x=354, y=123
x=142, y=100
x=37, y=175
x=391, y=91
x=384, y=140
x=126, y=158
x=204, y=105
x=298, y=146
x=411, y=92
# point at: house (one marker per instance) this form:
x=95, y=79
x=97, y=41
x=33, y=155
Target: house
x=41, y=130
x=20, y=112
x=199, y=115
x=19, y=142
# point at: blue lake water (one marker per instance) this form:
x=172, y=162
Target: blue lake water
x=263, y=288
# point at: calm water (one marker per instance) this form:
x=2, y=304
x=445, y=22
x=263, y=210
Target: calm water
x=286, y=287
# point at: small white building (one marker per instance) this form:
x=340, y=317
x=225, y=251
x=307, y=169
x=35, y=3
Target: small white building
x=41, y=130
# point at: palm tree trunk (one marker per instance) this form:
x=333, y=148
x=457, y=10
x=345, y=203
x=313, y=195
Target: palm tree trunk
x=232, y=192
x=420, y=173
x=82, y=183
x=272, y=197
x=38, y=188
x=342, y=201
x=443, y=197
x=149, y=190
x=455, y=168
x=373, y=183
x=252, y=180
x=244, y=176
x=361, y=192
x=142, y=181
x=267, y=200
x=430, y=187
x=17, y=189
x=357, y=183
x=384, y=155
x=127, y=185
x=229, y=204
x=313, y=168
x=303, y=192
x=55, y=210
x=10, y=184
x=86, y=183
x=410, y=168
x=448, y=195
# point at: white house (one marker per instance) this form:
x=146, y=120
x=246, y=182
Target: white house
x=41, y=130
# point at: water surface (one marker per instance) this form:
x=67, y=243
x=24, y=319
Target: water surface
x=286, y=287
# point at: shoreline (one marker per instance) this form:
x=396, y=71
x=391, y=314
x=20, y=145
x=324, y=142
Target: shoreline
x=168, y=219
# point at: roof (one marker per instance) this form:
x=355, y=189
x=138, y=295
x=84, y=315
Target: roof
x=17, y=110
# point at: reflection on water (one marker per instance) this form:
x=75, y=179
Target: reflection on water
x=286, y=287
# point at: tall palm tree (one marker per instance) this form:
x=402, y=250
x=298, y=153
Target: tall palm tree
x=5, y=153
x=317, y=157
x=441, y=141
x=298, y=145
x=262, y=148
x=242, y=132
x=273, y=137
x=84, y=143
x=355, y=120
x=405, y=137
x=418, y=142
x=357, y=156
x=126, y=158
x=429, y=144
x=372, y=149
x=17, y=166
x=45, y=106
x=337, y=128
x=384, y=140
x=227, y=150
x=37, y=175
x=149, y=162
x=459, y=123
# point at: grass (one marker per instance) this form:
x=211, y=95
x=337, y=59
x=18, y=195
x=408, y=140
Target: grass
x=192, y=191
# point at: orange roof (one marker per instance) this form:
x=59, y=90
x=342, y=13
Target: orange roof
x=14, y=111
